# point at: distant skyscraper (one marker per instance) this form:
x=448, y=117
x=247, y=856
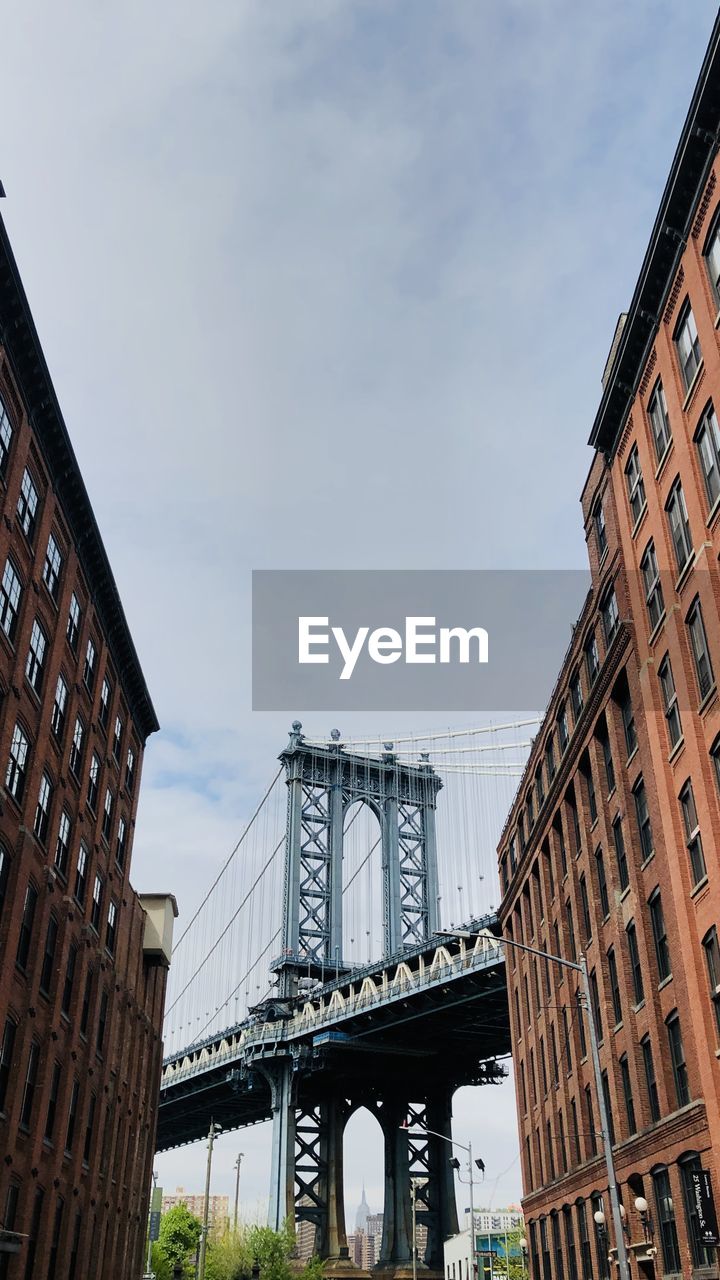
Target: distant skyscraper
x=363, y=1213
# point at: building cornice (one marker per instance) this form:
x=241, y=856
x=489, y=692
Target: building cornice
x=672, y=228
x=20, y=340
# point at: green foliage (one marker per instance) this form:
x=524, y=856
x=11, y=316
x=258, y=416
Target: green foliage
x=160, y=1264
x=179, y=1237
x=512, y=1268
x=314, y=1269
x=231, y=1256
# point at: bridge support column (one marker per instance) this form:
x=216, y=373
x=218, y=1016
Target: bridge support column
x=396, y=1249
x=334, y=1122
x=442, y=1220
x=282, y=1167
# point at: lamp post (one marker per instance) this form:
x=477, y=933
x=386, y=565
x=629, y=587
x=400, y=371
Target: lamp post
x=581, y=968
x=238, y=1162
x=414, y=1184
x=456, y=1166
x=148, y=1270
x=214, y=1128
x=523, y=1251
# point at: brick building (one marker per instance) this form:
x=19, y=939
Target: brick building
x=218, y=1206
x=82, y=962
x=612, y=846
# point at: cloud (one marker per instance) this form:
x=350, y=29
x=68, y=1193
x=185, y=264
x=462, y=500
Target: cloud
x=324, y=283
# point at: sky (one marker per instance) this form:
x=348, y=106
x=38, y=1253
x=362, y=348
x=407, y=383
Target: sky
x=324, y=284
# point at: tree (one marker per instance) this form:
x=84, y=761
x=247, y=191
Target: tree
x=512, y=1268
x=179, y=1235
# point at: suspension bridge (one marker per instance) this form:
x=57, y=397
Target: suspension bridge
x=316, y=977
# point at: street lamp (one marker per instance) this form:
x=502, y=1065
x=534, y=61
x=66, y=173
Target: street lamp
x=238, y=1162
x=641, y=1205
x=523, y=1250
x=214, y=1128
x=455, y=1164
x=581, y=968
x=414, y=1184
x=149, y=1273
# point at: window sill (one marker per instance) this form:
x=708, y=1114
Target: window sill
x=665, y=982
x=659, y=626
x=640, y=520
x=708, y=700
x=625, y=891
x=664, y=460
x=603, y=557
x=677, y=750
x=631, y=757
x=637, y=1007
x=618, y=1027
x=698, y=888
x=647, y=862
x=690, y=393
x=713, y=513
x=685, y=572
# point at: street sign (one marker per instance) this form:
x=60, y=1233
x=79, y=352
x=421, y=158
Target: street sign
x=155, y=1216
x=702, y=1194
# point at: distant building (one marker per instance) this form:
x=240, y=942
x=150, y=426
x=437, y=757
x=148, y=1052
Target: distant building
x=218, y=1209
x=362, y=1250
x=493, y=1236
x=363, y=1213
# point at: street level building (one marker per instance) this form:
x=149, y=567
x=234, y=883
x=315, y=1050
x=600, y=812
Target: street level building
x=611, y=846
x=83, y=958
x=218, y=1206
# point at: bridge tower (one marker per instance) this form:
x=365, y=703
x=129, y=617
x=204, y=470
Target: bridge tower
x=308, y=1127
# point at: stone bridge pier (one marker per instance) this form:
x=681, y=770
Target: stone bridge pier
x=308, y=1183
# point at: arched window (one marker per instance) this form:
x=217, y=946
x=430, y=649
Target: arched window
x=691, y=1175
x=666, y=1219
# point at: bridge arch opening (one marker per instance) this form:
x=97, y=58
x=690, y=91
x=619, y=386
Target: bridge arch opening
x=364, y=1184
x=363, y=909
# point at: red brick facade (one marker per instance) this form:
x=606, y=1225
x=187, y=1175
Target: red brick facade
x=80, y=1004
x=612, y=845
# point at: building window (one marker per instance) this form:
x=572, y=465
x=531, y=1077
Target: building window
x=89, y=667
x=73, y=623
x=76, y=750
x=22, y=954
x=627, y=1095
x=635, y=965
x=4, y=875
x=592, y=658
x=96, y=908
x=28, y=1096
x=610, y=615
x=662, y=950
x=643, y=820
x=557, y=1246
x=17, y=764
x=595, y=998
x=614, y=986
x=570, y=1240
x=707, y=440
x=608, y=1108
x=635, y=485
x=600, y=530
x=62, y=847
x=586, y=770
x=85, y=1008
x=102, y=1022
x=712, y=961
x=117, y=738
x=620, y=854
x=53, y=1101
x=57, y=715
x=27, y=505
x=72, y=1115
x=687, y=345
x=69, y=981
x=81, y=874
x=104, y=708
x=87, y=1145
x=93, y=782
x=111, y=932
x=602, y=883
x=670, y=702
x=52, y=567
x=654, y=601
x=666, y=1222
x=5, y=437
x=659, y=421
x=42, y=810
x=10, y=592
x=690, y=1169
x=677, y=1059
x=539, y=788
x=700, y=651
x=604, y=738
x=572, y=949
x=562, y=728
x=6, y=1058
x=679, y=526
x=121, y=838
x=651, y=1083
x=107, y=814
x=585, y=910
x=576, y=695
x=48, y=964
x=693, y=839
x=36, y=656
x=130, y=771
x=622, y=697
x=550, y=758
